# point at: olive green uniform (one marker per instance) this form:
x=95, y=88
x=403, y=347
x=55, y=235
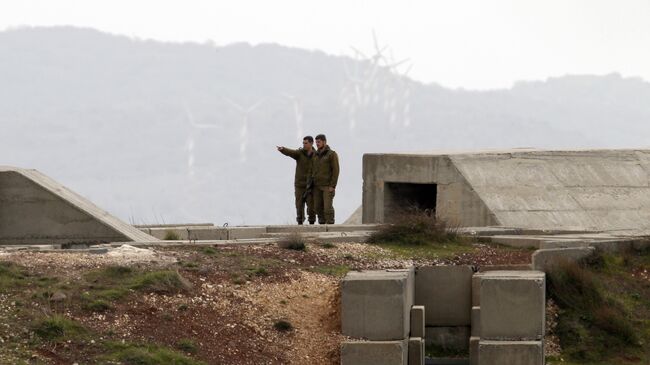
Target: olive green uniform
x=326, y=175
x=300, y=182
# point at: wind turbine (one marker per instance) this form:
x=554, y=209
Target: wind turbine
x=243, y=133
x=297, y=110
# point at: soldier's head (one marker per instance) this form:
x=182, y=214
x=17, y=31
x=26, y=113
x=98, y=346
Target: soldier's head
x=321, y=141
x=308, y=143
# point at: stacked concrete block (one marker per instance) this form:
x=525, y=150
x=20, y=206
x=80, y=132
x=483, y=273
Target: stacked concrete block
x=375, y=352
x=416, y=351
x=417, y=321
x=446, y=294
x=512, y=317
x=376, y=306
x=511, y=352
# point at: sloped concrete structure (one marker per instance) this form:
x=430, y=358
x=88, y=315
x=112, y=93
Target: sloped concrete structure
x=524, y=188
x=35, y=209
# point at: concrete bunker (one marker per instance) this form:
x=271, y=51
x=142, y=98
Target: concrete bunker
x=577, y=190
x=400, y=196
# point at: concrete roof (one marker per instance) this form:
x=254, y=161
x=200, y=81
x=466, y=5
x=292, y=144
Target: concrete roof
x=578, y=189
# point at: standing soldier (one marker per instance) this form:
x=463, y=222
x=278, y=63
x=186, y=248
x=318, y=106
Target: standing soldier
x=326, y=175
x=303, y=182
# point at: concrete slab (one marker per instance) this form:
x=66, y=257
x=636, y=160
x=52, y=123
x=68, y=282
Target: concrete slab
x=448, y=338
x=417, y=321
x=517, y=241
x=35, y=209
x=513, y=305
x=239, y=233
x=374, y=352
x=511, y=352
x=446, y=294
x=376, y=305
x=296, y=228
x=473, y=350
x=476, y=322
x=564, y=243
x=544, y=260
x=416, y=351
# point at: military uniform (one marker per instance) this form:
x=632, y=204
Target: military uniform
x=300, y=182
x=325, y=174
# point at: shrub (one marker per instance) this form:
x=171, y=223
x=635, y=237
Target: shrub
x=283, y=326
x=164, y=282
x=186, y=345
x=210, y=251
x=57, y=327
x=133, y=354
x=97, y=305
x=171, y=236
x=414, y=227
x=293, y=241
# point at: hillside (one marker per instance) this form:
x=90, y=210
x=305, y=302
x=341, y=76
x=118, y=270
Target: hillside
x=152, y=131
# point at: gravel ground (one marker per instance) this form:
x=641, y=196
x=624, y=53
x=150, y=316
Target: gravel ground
x=238, y=294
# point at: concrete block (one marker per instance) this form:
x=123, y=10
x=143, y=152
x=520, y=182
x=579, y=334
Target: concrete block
x=473, y=350
x=242, y=233
x=377, y=304
x=416, y=351
x=476, y=321
x=417, y=321
x=517, y=241
x=511, y=352
x=375, y=352
x=350, y=227
x=476, y=289
x=514, y=267
x=446, y=294
x=564, y=244
x=207, y=233
x=296, y=228
x=545, y=259
x=512, y=305
x=448, y=338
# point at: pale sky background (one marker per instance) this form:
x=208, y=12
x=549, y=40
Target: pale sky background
x=473, y=44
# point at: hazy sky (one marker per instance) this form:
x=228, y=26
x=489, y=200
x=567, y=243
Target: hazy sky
x=475, y=44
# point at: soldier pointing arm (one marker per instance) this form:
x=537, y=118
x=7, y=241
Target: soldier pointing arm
x=302, y=190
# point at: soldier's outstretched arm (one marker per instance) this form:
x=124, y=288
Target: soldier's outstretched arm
x=295, y=154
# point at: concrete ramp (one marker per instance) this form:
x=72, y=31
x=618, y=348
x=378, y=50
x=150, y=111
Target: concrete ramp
x=34, y=209
x=594, y=190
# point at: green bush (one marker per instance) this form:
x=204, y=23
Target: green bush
x=293, y=241
x=171, y=236
x=414, y=227
x=283, y=326
x=186, y=345
x=57, y=328
x=133, y=354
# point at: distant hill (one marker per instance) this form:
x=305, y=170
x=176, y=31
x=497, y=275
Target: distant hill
x=152, y=131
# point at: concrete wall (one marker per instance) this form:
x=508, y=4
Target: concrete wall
x=34, y=209
x=456, y=202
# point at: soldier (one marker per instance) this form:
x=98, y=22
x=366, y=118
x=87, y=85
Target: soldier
x=326, y=175
x=303, y=182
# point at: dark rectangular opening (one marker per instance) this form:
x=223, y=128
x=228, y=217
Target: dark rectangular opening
x=409, y=196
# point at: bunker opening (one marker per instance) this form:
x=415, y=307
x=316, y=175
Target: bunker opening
x=404, y=197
